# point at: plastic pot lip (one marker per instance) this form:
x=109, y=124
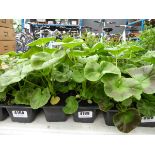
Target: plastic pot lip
x=112, y=110
x=89, y=107
x=52, y=106
x=2, y=105
x=19, y=106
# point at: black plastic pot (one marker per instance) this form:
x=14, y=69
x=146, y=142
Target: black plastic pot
x=3, y=113
x=146, y=122
x=54, y=113
x=22, y=114
x=86, y=113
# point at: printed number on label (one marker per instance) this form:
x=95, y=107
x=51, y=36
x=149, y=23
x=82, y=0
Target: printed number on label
x=19, y=113
x=148, y=119
x=85, y=114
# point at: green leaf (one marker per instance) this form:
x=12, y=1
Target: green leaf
x=78, y=76
x=31, y=51
x=115, y=50
x=87, y=59
x=92, y=71
x=44, y=60
x=41, y=42
x=85, y=47
x=127, y=121
x=146, y=77
x=71, y=105
x=105, y=106
x=146, y=106
x=62, y=73
x=127, y=102
x=3, y=96
x=23, y=96
x=108, y=67
x=15, y=74
x=121, y=89
x=97, y=46
x=149, y=57
x=67, y=39
x=74, y=43
x=39, y=98
x=77, y=53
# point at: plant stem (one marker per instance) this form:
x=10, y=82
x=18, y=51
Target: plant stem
x=49, y=84
x=32, y=83
x=116, y=61
x=19, y=85
x=84, y=86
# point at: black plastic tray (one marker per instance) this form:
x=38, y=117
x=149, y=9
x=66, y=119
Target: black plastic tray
x=85, y=114
x=108, y=116
x=54, y=113
x=22, y=114
x=3, y=112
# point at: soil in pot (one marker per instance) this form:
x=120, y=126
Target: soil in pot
x=86, y=112
x=22, y=114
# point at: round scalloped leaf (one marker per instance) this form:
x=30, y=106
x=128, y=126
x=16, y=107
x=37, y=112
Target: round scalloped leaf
x=108, y=67
x=146, y=77
x=92, y=71
x=43, y=59
x=15, y=74
x=121, y=89
x=127, y=121
x=78, y=76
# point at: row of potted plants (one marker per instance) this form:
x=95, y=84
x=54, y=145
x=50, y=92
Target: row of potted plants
x=77, y=75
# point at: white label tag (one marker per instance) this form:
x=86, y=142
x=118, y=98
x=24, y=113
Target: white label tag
x=85, y=114
x=148, y=119
x=19, y=113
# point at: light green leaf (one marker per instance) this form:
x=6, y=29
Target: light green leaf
x=145, y=76
x=77, y=53
x=87, y=59
x=149, y=57
x=15, y=74
x=71, y=105
x=121, y=89
x=62, y=73
x=108, y=67
x=39, y=98
x=67, y=39
x=41, y=42
x=44, y=60
x=78, y=76
x=97, y=46
x=74, y=43
x=92, y=71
